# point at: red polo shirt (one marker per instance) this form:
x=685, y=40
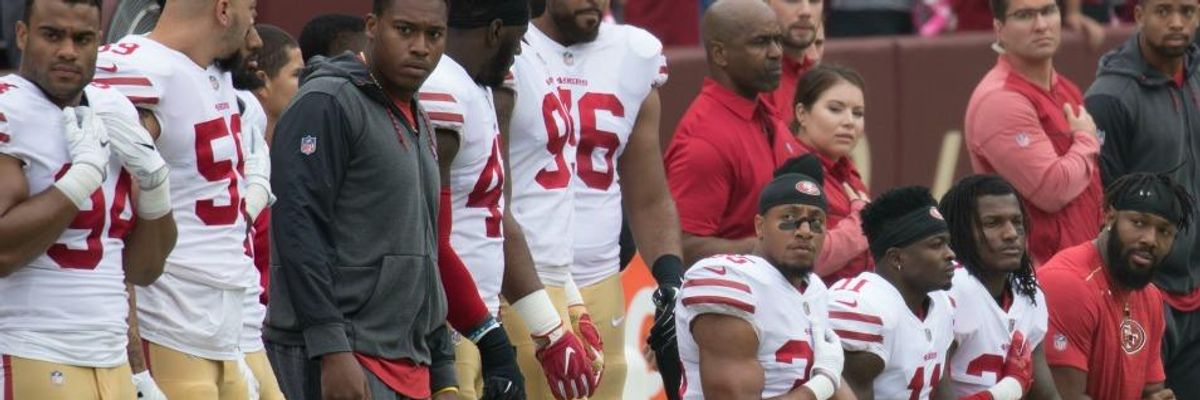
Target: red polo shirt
x=720, y=159
x=783, y=96
x=1089, y=328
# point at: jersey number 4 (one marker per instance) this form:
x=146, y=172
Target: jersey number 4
x=93, y=220
x=487, y=191
x=917, y=384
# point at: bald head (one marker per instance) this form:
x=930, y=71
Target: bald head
x=743, y=42
x=725, y=20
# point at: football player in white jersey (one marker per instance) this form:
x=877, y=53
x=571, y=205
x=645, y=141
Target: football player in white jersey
x=607, y=76
x=897, y=323
x=73, y=230
x=757, y=326
x=191, y=318
x=996, y=294
x=482, y=42
x=255, y=366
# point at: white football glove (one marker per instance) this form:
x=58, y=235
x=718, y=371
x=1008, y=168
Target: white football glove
x=87, y=145
x=146, y=389
x=257, y=170
x=248, y=375
x=828, y=361
x=137, y=153
x=136, y=149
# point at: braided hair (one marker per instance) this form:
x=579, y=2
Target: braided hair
x=1136, y=182
x=960, y=208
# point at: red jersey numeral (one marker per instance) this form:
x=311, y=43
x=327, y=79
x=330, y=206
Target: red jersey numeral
x=121, y=226
x=94, y=220
x=216, y=171
x=736, y=259
x=917, y=384
x=591, y=138
x=121, y=49
x=552, y=112
x=488, y=189
x=993, y=363
x=853, y=285
x=796, y=350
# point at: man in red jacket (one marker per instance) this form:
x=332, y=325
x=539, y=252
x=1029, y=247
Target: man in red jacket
x=1025, y=122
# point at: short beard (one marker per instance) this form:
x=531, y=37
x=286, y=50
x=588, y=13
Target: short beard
x=572, y=32
x=1119, y=268
x=246, y=79
x=498, y=69
x=792, y=271
x=1168, y=51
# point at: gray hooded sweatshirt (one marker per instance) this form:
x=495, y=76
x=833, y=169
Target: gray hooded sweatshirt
x=354, y=229
x=1148, y=123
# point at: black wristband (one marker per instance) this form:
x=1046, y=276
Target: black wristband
x=668, y=270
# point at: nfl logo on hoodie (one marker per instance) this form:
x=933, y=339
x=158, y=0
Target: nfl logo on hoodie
x=308, y=145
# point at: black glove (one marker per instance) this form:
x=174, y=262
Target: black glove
x=498, y=388
x=662, y=340
x=502, y=379
x=668, y=271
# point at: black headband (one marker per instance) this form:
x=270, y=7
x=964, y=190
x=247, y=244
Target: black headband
x=1158, y=199
x=908, y=229
x=791, y=188
x=509, y=12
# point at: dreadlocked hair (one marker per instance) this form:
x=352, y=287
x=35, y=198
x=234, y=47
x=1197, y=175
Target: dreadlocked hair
x=1138, y=181
x=895, y=203
x=960, y=207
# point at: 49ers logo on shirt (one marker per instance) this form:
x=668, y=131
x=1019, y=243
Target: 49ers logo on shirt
x=1133, y=337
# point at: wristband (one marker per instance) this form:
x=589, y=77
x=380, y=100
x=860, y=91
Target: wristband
x=449, y=389
x=79, y=182
x=571, y=290
x=155, y=202
x=668, y=270
x=1007, y=389
x=483, y=329
x=256, y=199
x=821, y=386
x=539, y=314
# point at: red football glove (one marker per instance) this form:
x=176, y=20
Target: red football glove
x=1018, y=364
x=566, y=365
x=591, y=338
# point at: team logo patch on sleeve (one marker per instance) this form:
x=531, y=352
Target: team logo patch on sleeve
x=1060, y=342
x=308, y=145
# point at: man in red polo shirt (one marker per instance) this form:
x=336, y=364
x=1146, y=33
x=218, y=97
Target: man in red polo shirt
x=1106, y=321
x=1025, y=123
x=729, y=141
x=799, y=21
